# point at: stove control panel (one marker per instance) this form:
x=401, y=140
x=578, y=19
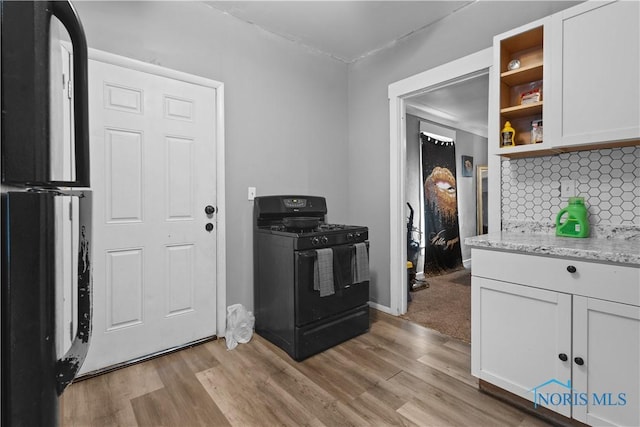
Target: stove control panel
x=295, y=203
x=319, y=240
x=354, y=237
x=331, y=239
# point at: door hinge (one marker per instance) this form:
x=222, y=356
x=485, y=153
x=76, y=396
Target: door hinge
x=71, y=331
x=70, y=211
x=70, y=90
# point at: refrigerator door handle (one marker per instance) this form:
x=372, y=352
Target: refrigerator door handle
x=71, y=362
x=68, y=16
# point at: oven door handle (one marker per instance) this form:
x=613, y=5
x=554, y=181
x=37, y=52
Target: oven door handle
x=313, y=254
x=308, y=254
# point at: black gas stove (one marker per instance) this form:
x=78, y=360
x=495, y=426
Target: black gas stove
x=289, y=311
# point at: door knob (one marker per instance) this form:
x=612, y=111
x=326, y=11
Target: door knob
x=209, y=210
x=571, y=269
x=579, y=361
x=563, y=357
x=208, y=227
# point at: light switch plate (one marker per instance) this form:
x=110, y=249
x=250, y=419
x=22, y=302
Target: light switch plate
x=252, y=193
x=567, y=188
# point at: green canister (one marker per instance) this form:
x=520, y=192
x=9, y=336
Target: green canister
x=572, y=221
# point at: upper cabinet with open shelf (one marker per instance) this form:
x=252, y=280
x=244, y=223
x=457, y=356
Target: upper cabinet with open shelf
x=520, y=79
x=585, y=62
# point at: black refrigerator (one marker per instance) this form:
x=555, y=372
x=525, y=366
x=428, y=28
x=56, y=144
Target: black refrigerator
x=35, y=370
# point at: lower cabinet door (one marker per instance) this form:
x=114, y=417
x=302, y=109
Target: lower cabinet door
x=519, y=336
x=606, y=362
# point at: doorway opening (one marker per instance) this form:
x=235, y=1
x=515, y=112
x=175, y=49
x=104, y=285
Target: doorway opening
x=446, y=133
x=439, y=80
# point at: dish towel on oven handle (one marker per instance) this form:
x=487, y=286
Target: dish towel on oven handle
x=323, y=272
x=342, y=267
x=360, y=263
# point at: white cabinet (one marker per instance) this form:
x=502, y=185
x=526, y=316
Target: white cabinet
x=586, y=60
x=563, y=334
x=517, y=334
x=596, y=74
x=606, y=336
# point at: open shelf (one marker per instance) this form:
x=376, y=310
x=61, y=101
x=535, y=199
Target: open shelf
x=518, y=111
x=522, y=75
x=527, y=48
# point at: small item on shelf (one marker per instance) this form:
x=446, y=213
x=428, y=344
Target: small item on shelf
x=513, y=65
x=536, y=131
x=530, y=97
x=508, y=136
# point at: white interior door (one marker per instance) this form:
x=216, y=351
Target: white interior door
x=153, y=172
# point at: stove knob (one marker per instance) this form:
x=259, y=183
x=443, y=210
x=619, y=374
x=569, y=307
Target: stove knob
x=315, y=241
x=324, y=240
x=357, y=235
x=349, y=236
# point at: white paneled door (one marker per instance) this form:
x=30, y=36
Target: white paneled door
x=153, y=160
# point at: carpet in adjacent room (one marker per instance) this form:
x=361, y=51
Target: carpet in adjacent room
x=445, y=305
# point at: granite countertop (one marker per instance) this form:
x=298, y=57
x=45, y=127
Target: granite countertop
x=620, y=251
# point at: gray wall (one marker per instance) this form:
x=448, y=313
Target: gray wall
x=468, y=31
x=285, y=107
x=468, y=144
x=413, y=181
x=413, y=184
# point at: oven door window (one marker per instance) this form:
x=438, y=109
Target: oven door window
x=309, y=306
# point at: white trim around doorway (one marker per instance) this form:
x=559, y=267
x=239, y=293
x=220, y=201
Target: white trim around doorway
x=443, y=75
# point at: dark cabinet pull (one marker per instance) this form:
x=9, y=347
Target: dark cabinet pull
x=563, y=357
x=579, y=361
x=571, y=269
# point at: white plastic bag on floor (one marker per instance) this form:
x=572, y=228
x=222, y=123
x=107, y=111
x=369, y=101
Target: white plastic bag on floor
x=239, y=325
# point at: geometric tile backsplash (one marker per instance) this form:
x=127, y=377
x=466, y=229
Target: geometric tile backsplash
x=609, y=181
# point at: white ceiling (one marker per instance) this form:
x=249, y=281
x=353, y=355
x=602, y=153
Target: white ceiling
x=463, y=105
x=345, y=30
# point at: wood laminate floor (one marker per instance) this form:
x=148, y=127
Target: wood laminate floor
x=398, y=374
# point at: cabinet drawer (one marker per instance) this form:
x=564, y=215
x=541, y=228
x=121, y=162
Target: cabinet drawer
x=604, y=281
